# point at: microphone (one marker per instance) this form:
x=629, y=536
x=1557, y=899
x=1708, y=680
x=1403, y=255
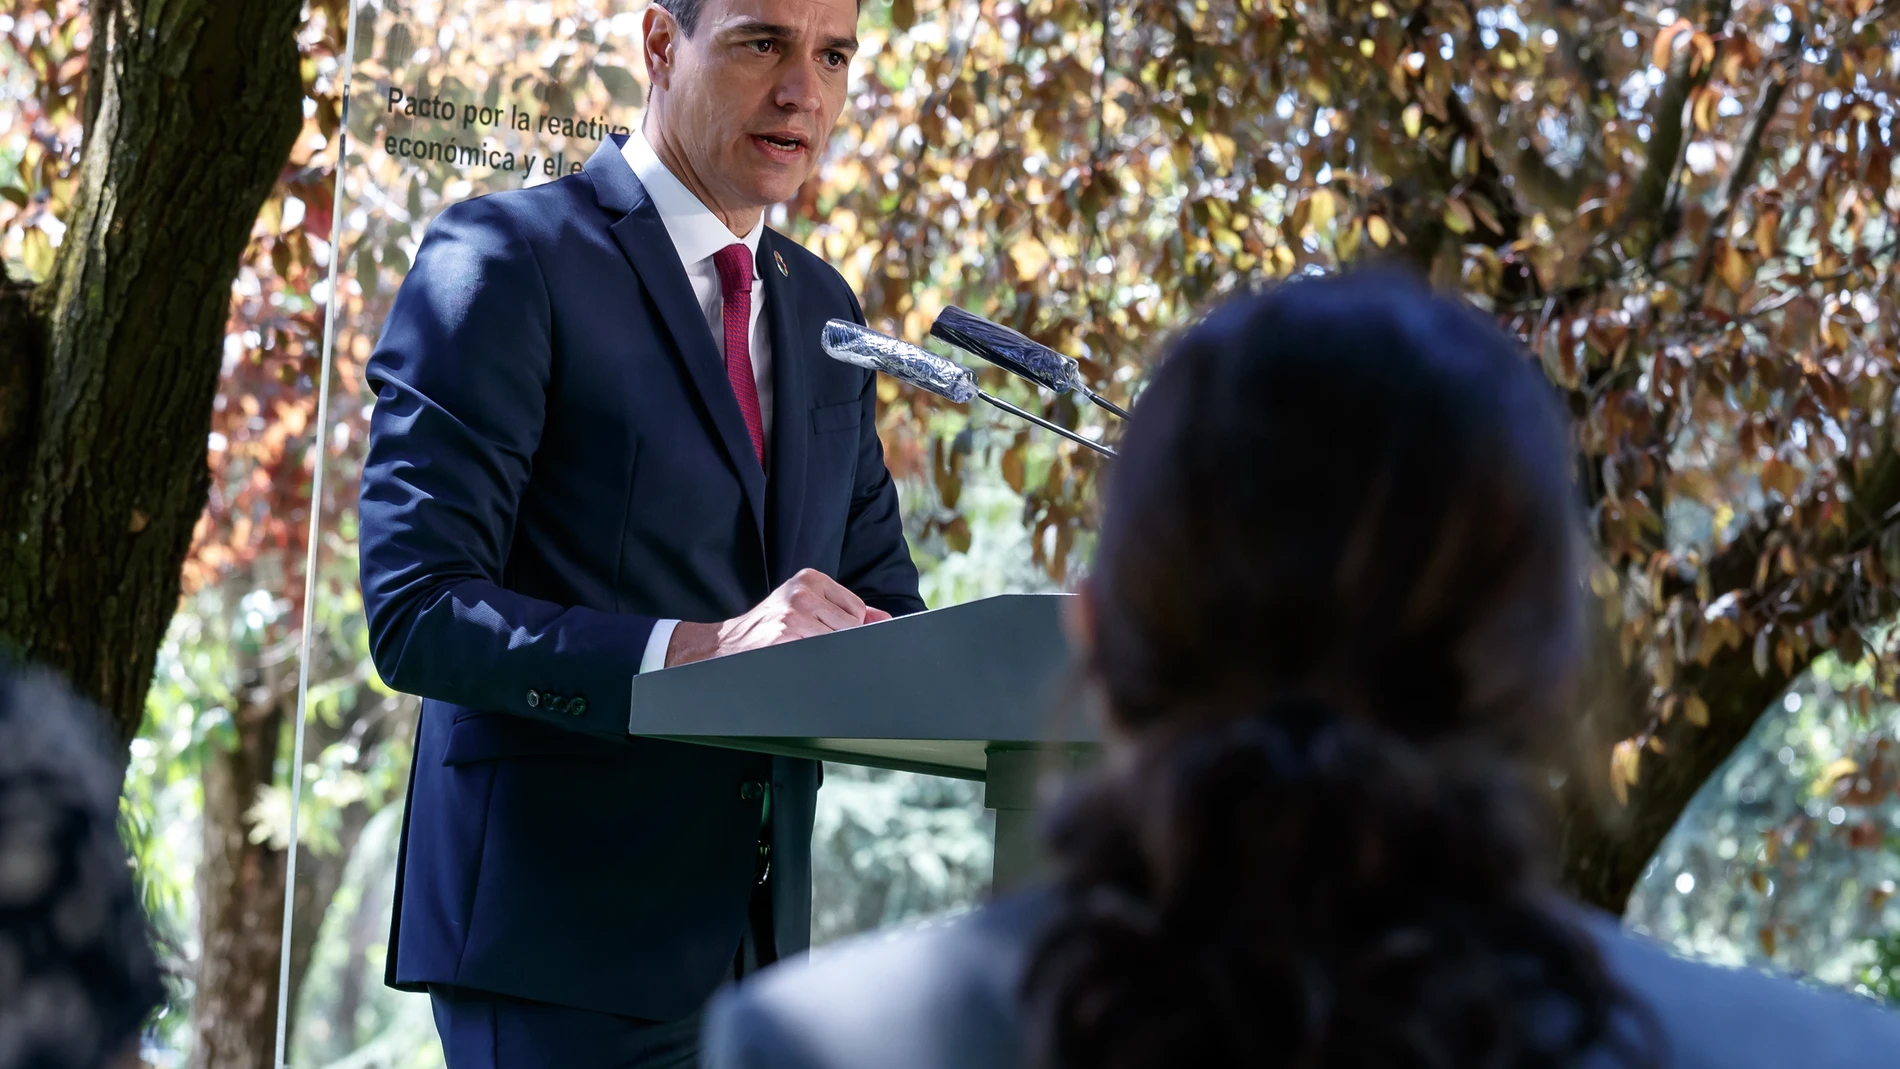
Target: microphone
x=866, y=348
x=1015, y=353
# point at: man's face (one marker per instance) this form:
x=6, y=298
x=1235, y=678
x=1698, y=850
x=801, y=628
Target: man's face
x=752, y=95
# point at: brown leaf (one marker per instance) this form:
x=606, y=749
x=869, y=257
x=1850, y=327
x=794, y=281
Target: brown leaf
x=1013, y=472
x=1704, y=46
x=956, y=535
x=1781, y=477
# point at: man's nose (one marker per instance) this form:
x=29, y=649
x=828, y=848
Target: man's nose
x=798, y=87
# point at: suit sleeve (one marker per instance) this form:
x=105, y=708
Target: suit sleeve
x=876, y=564
x=461, y=379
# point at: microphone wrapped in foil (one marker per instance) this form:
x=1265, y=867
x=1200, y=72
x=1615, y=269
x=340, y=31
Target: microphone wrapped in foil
x=866, y=348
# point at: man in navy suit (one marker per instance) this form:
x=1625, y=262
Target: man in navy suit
x=606, y=441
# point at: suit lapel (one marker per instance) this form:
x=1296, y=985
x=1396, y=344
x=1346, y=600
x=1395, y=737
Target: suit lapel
x=644, y=240
x=791, y=417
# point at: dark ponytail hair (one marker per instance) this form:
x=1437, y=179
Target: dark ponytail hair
x=1336, y=606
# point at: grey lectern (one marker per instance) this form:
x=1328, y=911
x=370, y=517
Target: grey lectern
x=966, y=691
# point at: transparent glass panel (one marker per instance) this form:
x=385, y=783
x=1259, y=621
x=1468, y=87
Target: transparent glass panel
x=450, y=101
x=447, y=101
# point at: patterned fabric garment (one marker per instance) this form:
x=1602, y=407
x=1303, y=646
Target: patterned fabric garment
x=78, y=975
x=734, y=263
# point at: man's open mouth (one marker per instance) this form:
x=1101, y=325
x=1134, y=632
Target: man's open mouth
x=782, y=142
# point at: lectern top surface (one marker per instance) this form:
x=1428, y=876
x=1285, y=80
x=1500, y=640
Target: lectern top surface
x=930, y=691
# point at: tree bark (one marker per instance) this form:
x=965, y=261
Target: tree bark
x=240, y=894
x=108, y=369
x=241, y=879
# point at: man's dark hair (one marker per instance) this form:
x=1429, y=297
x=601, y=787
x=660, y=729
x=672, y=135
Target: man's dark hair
x=684, y=12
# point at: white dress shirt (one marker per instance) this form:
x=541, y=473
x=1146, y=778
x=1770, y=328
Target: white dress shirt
x=697, y=234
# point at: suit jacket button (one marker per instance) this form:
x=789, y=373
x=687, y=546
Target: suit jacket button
x=534, y=699
x=751, y=791
x=577, y=706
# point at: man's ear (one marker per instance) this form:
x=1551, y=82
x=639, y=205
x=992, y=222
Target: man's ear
x=660, y=36
x=1078, y=622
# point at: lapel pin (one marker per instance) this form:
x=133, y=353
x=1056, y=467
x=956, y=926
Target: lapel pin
x=779, y=259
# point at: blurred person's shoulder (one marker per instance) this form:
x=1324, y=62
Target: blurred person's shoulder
x=1714, y=1016
x=81, y=973
x=59, y=740
x=941, y=996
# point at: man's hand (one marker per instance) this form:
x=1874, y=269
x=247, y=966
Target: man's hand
x=810, y=603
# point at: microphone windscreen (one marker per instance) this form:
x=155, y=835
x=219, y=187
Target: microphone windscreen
x=853, y=344
x=1007, y=349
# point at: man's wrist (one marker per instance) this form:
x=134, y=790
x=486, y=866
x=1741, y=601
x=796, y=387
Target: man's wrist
x=691, y=642
x=658, y=640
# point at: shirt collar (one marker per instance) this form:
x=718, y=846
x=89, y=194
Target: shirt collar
x=696, y=232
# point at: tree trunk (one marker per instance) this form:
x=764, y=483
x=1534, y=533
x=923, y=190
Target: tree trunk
x=108, y=369
x=1607, y=844
x=241, y=879
x=240, y=898
x=369, y=924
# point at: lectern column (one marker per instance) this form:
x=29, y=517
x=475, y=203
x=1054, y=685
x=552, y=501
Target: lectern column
x=1009, y=787
x=1012, y=774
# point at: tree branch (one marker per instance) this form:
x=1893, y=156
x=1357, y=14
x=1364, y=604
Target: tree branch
x=1644, y=211
x=1743, y=173
x=1607, y=846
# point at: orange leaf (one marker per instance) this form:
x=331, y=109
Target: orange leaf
x=1734, y=269
x=1767, y=225
x=1659, y=54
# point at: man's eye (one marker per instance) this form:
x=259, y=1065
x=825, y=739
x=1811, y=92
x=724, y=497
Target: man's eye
x=837, y=59
x=761, y=47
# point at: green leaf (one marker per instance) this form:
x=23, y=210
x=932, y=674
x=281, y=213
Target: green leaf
x=620, y=83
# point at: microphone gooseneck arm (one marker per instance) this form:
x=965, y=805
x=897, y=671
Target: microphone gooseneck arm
x=1103, y=402
x=1046, y=424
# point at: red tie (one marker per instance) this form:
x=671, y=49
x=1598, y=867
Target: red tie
x=735, y=286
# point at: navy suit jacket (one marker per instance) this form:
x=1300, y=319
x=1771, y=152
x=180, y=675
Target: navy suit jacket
x=947, y=998
x=556, y=460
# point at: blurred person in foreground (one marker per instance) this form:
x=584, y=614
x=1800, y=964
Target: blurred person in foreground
x=78, y=975
x=1337, y=627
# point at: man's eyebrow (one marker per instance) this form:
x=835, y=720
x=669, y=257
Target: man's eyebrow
x=761, y=28
x=755, y=28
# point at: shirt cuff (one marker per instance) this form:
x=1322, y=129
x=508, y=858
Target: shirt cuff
x=655, y=657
